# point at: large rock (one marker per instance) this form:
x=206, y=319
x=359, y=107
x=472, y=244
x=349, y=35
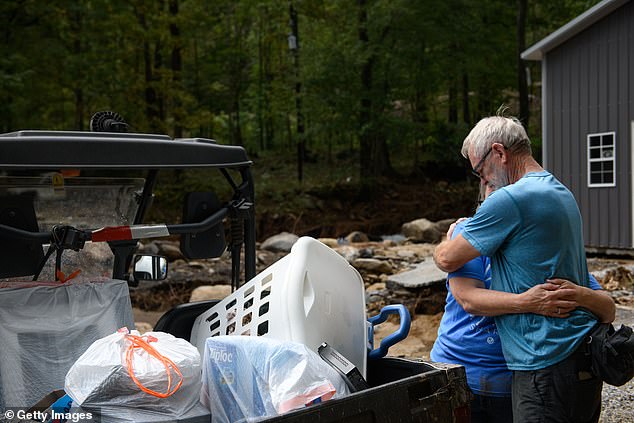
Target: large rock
x=422, y=230
x=425, y=274
x=210, y=292
x=372, y=265
x=266, y=258
x=148, y=248
x=169, y=249
x=280, y=242
x=348, y=252
x=357, y=236
x=443, y=225
x=331, y=242
x=377, y=286
x=413, y=252
x=143, y=327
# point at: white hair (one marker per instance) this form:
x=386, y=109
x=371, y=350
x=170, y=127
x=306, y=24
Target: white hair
x=507, y=131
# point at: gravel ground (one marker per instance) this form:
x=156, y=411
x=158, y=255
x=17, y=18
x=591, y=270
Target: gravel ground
x=618, y=402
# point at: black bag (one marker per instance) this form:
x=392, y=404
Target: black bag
x=612, y=353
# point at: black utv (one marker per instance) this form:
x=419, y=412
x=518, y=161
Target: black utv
x=73, y=206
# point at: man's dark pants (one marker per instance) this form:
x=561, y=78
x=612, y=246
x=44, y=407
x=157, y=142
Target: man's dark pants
x=564, y=392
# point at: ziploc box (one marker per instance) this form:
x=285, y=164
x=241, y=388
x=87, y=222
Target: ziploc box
x=250, y=377
x=230, y=389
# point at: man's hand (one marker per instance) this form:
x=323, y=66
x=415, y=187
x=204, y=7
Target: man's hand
x=550, y=299
x=452, y=254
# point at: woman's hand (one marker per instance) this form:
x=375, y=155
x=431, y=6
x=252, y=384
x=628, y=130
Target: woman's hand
x=452, y=227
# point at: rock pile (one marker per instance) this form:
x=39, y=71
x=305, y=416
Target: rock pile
x=393, y=272
x=400, y=272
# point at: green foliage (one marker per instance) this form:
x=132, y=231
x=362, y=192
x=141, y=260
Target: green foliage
x=444, y=141
x=426, y=72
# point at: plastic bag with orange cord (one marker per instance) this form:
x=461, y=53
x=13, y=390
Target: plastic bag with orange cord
x=131, y=377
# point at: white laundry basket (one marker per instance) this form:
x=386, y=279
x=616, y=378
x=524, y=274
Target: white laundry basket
x=311, y=296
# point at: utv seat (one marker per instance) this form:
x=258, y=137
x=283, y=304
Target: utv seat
x=179, y=320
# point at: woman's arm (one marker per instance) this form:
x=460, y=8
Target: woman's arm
x=545, y=299
x=596, y=301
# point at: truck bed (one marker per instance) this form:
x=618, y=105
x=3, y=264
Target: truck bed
x=401, y=390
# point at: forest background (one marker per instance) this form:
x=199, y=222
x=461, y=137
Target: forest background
x=353, y=112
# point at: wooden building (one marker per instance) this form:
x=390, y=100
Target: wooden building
x=588, y=117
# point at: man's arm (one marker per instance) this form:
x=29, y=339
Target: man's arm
x=452, y=254
x=596, y=301
x=545, y=299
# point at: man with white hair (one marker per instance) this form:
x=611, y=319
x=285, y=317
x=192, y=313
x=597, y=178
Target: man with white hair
x=531, y=228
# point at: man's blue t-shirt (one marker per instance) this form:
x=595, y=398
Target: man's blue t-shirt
x=470, y=340
x=532, y=231
x=473, y=341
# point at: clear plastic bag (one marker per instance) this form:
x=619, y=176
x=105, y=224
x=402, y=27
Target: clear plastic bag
x=128, y=377
x=45, y=327
x=251, y=377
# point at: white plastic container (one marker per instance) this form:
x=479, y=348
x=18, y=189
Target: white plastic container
x=311, y=296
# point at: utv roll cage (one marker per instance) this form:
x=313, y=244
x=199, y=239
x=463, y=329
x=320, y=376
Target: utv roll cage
x=202, y=226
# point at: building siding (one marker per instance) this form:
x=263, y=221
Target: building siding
x=590, y=90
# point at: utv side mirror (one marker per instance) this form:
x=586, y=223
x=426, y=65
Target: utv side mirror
x=149, y=268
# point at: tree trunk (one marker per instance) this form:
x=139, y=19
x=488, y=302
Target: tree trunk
x=79, y=109
x=298, y=94
x=151, y=113
x=259, y=112
x=365, y=114
x=466, y=117
x=176, y=69
x=374, y=159
x=77, y=80
x=150, y=93
x=453, y=102
x=521, y=64
x=160, y=95
x=485, y=94
x=238, y=125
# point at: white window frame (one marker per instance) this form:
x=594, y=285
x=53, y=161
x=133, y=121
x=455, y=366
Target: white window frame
x=602, y=159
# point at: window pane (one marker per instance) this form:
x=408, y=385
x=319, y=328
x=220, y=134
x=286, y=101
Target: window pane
x=601, y=157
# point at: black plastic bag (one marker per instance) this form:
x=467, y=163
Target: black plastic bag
x=612, y=353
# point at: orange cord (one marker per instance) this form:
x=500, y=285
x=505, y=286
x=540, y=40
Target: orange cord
x=63, y=278
x=139, y=342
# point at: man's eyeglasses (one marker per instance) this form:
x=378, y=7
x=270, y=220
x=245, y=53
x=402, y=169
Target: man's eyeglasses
x=477, y=167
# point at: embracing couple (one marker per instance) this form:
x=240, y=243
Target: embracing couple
x=519, y=265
